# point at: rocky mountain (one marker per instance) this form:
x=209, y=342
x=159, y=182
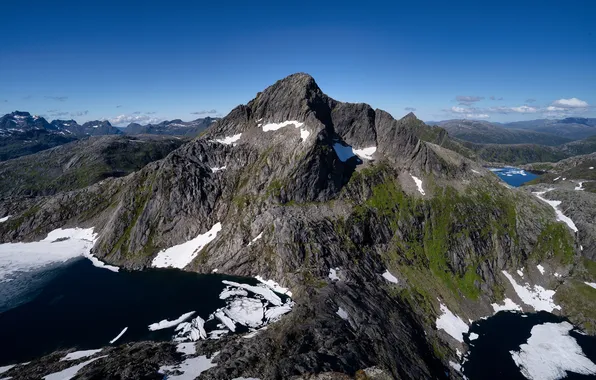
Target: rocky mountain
x=411, y=229
x=484, y=132
x=574, y=128
x=22, y=134
x=173, y=127
x=90, y=128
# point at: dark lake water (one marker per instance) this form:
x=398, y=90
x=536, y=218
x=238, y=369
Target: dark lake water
x=79, y=305
x=514, y=176
x=490, y=357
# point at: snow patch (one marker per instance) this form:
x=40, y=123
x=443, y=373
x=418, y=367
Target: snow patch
x=275, y=126
x=6, y=368
x=580, y=186
x=255, y=239
x=70, y=372
x=452, y=324
x=389, y=277
x=181, y=255
x=475, y=171
x=333, y=274
x=550, y=352
x=474, y=336
x=80, y=354
x=229, y=140
x=216, y=169
x=2, y=220
x=119, y=335
x=540, y=268
x=342, y=314
x=100, y=264
x=508, y=305
x=556, y=179
x=455, y=365
x=274, y=313
x=274, y=286
x=190, y=368
x=592, y=284
x=164, y=324
x=365, y=153
x=555, y=205
x=418, y=184
x=188, y=348
x=536, y=296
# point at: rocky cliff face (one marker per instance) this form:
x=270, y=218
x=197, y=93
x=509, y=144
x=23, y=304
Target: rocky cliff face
x=328, y=185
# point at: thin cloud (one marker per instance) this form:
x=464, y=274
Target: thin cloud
x=411, y=109
x=531, y=100
x=495, y=98
x=468, y=100
x=27, y=97
x=58, y=98
x=204, y=112
x=136, y=113
x=58, y=113
x=79, y=113
x=141, y=119
x=150, y=113
x=118, y=106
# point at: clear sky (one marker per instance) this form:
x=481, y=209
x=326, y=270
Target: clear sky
x=153, y=60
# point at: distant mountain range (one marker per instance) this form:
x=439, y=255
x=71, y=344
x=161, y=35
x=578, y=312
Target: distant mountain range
x=541, y=131
x=173, y=127
x=22, y=133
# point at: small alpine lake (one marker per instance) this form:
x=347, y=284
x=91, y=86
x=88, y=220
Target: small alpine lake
x=513, y=345
x=78, y=305
x=513, y=176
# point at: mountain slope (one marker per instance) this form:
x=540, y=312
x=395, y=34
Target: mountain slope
x=484, y=132
x=326, y=185
x=80, y=164
x=574, y=128
x=173, y=127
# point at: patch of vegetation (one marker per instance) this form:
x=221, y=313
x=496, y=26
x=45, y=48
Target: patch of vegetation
x=554, y=241
x=579, y=303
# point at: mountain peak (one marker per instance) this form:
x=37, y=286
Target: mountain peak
x=410, y=116
x=21, y=113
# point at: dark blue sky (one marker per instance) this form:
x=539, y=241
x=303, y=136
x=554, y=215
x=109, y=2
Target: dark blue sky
x=126, y=60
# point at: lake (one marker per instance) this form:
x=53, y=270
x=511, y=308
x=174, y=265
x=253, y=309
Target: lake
x=513, y=176
x=550, y=348
x=79, y=305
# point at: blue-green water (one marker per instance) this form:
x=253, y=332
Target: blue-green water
x=514, y=176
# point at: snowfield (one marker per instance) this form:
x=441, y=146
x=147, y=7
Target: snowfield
x=555, y=205
x=418, y=184
x=229, y=140
x=452, y=324
x=536, y=296
x=181, y=255
x=59, y=246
